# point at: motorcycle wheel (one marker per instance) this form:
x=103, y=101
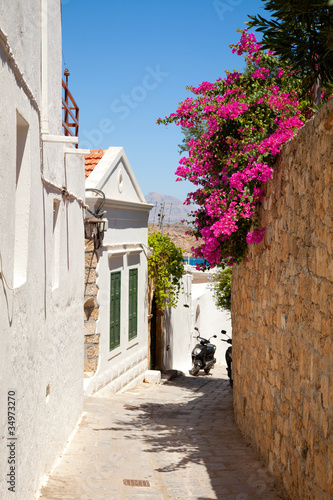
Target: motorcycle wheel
x=231, y=378
x=207, y=370
x=195, y=369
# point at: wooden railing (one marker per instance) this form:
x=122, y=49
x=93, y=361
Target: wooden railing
x=70, y=115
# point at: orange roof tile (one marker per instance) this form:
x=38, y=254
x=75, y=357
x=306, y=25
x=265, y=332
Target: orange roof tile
x=92, y=160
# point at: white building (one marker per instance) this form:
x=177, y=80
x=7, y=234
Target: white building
x=196, y=308
x=117, y=308
x=41, y=250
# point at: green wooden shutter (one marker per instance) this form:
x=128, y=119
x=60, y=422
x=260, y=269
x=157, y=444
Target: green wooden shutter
x=115, y=293
x=133, y=304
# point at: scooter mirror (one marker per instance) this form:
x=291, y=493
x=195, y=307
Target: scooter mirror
x=214, y=336
x=223, y=331
x=195, y=328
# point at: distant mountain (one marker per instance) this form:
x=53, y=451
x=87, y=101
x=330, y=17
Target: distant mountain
x=174, y=210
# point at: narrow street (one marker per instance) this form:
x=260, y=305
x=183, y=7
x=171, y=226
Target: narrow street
x=161, y=442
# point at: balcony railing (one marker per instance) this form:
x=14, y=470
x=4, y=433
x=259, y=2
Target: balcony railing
x=70, y=111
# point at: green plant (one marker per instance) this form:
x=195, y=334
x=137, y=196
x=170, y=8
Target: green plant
x=221, y=286
x=165, y=269
x=301, y=33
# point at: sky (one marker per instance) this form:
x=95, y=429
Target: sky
x=130, y=62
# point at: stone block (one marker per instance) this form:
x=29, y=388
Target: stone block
x=90, y=365
x=324, y=389
x=95, y=314
x=321, y=261
x=93, y=352
x=152, y=377
x=90, y=275
x=90, y=327
x=91, y=290
x=89, y=246
x=317, y=322
x=91, y=339
x=91, y=259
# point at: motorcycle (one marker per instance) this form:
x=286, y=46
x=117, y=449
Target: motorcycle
x=228, y=357
x=203, y=355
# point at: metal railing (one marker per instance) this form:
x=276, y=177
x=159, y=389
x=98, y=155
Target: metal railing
x=70, y=115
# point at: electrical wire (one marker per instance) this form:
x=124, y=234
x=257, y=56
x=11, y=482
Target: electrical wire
x=63, y=190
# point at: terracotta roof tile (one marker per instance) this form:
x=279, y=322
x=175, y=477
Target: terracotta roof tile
x=92, y=160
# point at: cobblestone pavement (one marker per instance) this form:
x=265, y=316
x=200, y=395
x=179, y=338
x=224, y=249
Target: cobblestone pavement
x=161, y=442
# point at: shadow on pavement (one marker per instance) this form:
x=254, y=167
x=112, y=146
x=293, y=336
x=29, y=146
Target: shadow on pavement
x=198, y=428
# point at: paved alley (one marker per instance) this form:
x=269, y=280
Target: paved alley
x=161, y=442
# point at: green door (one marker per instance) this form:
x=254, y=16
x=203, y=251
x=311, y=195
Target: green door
x=115, y=292
x=133, y=304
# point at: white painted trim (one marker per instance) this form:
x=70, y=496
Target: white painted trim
x=74, y=151
x=101, y=173
x=126, y=248
x=129, y=205
x=60, y=138
x=125, y=205
x=113, y=253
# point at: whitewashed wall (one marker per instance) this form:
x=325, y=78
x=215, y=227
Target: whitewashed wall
x=177, y=330
x=179, y=325
x=209, y=319
x=124, y=248
x=41, y=354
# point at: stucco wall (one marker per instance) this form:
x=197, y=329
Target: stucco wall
x=179, y=323
x=41, y=353
x=178, y=330
x=124, y=248
x=22, y=26
x=283, y=318
x=210, y=320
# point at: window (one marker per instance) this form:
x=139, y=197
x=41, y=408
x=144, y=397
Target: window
x=115, y=293
x=133, y=304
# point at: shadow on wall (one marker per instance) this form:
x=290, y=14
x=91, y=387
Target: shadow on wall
x=168, y=339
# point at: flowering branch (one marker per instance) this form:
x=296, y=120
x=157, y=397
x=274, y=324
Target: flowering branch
x=246, y=118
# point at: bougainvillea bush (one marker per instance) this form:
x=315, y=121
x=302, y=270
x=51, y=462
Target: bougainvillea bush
x=245, y=118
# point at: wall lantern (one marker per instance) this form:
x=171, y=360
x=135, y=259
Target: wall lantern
x=95, y=227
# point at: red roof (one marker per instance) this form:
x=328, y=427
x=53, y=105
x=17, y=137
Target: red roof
x=92, y=160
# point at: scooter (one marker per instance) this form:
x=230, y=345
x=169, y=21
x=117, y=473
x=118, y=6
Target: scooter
x=203, y=355
x=228, y=357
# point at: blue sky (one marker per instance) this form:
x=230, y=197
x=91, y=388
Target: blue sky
x=129, y=64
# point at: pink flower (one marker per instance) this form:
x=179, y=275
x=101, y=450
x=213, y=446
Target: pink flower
x=203, y=87
x=255, y=237
x=232, y=78
x=260, y=73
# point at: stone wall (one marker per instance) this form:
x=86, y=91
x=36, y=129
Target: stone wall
x=91, y=310
x=282, y=319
